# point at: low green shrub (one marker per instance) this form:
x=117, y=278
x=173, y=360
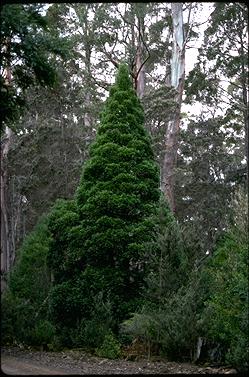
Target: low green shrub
x=43, y=333
x=224, y=320
x=24, y=303
x=93, y=316
x=110, y=347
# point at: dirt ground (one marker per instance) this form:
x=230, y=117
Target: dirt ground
x=15, y=361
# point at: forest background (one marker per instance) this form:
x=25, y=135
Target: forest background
x=57, y=65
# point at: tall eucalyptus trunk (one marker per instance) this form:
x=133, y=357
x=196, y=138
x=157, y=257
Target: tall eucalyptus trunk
x=173, y=126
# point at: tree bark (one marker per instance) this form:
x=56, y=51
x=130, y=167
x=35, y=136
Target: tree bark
x=140, y=82
x=173, y=127
x=83, y=16
x=244, y=81
x=88, y=50
x=138, y=40
x=7, y=252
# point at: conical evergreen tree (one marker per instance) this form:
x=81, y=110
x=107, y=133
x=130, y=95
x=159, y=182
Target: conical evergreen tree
x=119, y=191
x=116, y=200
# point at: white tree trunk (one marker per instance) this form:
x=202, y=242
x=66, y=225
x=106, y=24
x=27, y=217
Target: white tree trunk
x=177, y=82
x=87, y=118
x=178, y=54
x=140, y=84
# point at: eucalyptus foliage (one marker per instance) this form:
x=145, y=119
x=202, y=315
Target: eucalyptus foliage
x=213, y=148
x=207, y=177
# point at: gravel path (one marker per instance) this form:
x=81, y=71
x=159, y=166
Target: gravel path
x=23, y=362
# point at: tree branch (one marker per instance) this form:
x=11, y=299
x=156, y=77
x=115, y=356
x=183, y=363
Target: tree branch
x=103, y=85
x=189, y=27
x=141, y=37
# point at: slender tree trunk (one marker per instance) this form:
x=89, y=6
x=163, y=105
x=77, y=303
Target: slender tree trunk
x=140, y=67
x=62, y=125
x=87, y=119
x=177, y=82
x=138, y=40
x=140, y=84
x=244, y=78
x=7, y=252
x=83, y=16
x=244, y=82
x=87, y=45
x=87, y=98
x=88, y=129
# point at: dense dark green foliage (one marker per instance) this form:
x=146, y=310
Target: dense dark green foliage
x=212, y=303
x=27, y=55
x=110, y=348
x=119, y=189
x=25, y=303
x=101, y=245
x=159, y=322
x=224, y=320
x=62, y=219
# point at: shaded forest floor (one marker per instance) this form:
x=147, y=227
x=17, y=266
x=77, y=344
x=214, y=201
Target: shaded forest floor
x=16, y=361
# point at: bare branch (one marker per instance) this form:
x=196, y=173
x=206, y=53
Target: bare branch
x=116, y=40
x=141, y=66
x=141, y=37
x=108, y=55
x=102, y=84
x=189, y=26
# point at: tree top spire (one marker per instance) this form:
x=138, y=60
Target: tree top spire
x=123, y=80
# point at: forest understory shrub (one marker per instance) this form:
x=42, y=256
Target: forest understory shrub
x=165, y=320
x=25, y=303
x=211, y=304
x=224, y=320
x=110, y=347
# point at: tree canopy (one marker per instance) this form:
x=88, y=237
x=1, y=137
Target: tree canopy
x=28, y=50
